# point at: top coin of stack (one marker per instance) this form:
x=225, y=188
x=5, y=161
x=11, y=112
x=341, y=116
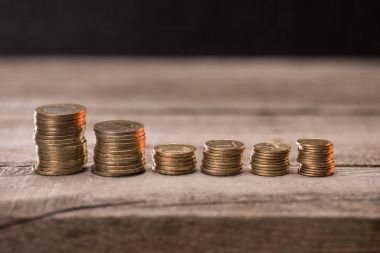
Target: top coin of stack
x=59, y=137
x=119, y=148
x=223, y=157
x=270, y=159
x=174, y=159
x=316, y=157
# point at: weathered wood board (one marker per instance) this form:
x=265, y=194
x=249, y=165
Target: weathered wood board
x=192, y=100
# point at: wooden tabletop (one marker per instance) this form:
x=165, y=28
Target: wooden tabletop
x=190, y=101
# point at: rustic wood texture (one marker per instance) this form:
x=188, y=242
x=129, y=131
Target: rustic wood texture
x=192, y=100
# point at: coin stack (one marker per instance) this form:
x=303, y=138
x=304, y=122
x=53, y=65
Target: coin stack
x=315, y=157
x=119, y=148
x=174, y=159
x=270, y=159
x=59, y=137
x=222, y=157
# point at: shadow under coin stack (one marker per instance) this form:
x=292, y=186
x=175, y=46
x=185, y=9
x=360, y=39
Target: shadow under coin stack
x=223, y=157
x=174, y=159
x=59, y=137
x=119, y=148
x=270, y=159
x=316, y=157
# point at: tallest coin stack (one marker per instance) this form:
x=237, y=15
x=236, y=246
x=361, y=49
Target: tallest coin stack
x=59, y=137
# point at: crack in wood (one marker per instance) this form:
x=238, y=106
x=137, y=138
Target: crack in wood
x=65, y=210
x=245, y=200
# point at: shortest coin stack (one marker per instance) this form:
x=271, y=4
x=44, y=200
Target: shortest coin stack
x=59, y=137
x=223, y=157
x=119, y=148
x=270, y=159
x=174, y=159
x=316, y=157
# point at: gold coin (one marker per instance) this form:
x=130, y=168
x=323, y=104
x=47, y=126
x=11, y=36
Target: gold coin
x=213, y=156
x=120, y=146
x=58, y=137
x=176, y=163
x=314, y=142
x=220, y=173
x=62, y=144
x=69, y=156
x=111, y=173
x=61, y=157
x=221, y=165
x=316, y=164
x=70, y=153
x=270, y=155
x=176, y=167
x=311, y=174
x=269, y=169
x=269, y=159
x=222, y=170
x=130, y=143
x=119, y=159
x=316, y=152
x=224, y=164
x=266, y=174
x=58, y=151
x=118, y=156
x=316, y=155
x=174, y=150
x=58, y=142
x=66, y=162
x=174, y=159
x=224, y=145
x=121, y=138
x=271, y=148
x=306, y=161
x=61, y=147
x=55, y=172
x=172, y=173
x=229, y=153
x=118, y=152
x=59, y=122
x=60, y=111
x=118, y=127
x=102, y=167
x=63, y=133
x=115, y=150
x=54, y=130
x=221, y=161
x=118, y=163
x=270, y=166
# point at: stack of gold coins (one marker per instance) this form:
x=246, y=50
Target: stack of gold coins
x=315, y=157
x=223, y=157
x=270, y=159
x=119, y=148
x=174, y=159
x=59, y=137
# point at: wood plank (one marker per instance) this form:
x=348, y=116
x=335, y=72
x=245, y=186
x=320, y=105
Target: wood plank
x=25, y=194
x=191, y=101
x=144, y=211
x=192, y=82
x=248, y=99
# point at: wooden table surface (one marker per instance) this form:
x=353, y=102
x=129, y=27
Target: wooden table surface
x=190, y=101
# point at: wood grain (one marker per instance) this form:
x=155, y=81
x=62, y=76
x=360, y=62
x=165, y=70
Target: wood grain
x=191, y=101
